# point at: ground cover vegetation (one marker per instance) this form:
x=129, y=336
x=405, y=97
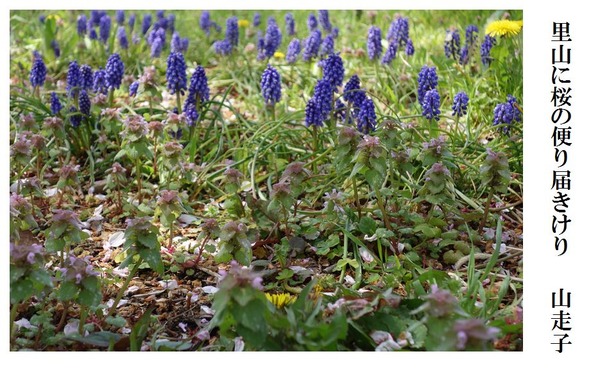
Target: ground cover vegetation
x=266, y=180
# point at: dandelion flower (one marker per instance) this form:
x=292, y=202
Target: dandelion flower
x=501, y=28
x=280, y=300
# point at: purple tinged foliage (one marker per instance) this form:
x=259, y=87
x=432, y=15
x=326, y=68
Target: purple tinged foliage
x=431, y=104
x=293, y=51
x=176, y=77
x=311, y=46
x=37, y=75
x=270, y=86
x=374, y=43
x=290, y=24
x=115, y=69
x=460, y=103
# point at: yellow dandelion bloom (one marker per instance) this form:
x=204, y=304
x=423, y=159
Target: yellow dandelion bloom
x=279, y=55
x=280, y=300
x=243, y=23
x=500, y=28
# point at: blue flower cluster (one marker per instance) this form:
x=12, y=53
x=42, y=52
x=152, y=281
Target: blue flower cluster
x=73, y=78
x=37, y=75
x=398, y=37
x=324, y=20
x=290, y=24
x=85, y=104
x=427, y=80
x=133, y=88
x=507, y=114
x=311, y=45
x=100, y=82
x=366, y=120
x=256, y=20
x=452, y=44
x=272, y=38
x=460, y=103
x=270, y=85
x=82, y=25
x=55, y=105
x=327, y=46
x=104, y=28
x=293, y=51
x=333, y=70
x=115, y=69
x=146, y=23
x=120, y=17
x=374, y=43
x=486, y=48
x=312, y=23
x=431, y=104
x=86, y=76
x=319, y=106
x=176, y=77
x=122, y=37
x=223, y=47
x=232, y=32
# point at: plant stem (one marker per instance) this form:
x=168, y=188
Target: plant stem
x=386, y=220
x=356, y=199
x=123, y=288
x=83, y=313
x=485, y=213
x=13, y=315
x=138, y=175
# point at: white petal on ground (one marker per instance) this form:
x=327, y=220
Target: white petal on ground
x=116, y=239
x=210, y=289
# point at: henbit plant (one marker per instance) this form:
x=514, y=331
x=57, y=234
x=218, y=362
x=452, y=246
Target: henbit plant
x=234, y=244
x=496, y=177
x=65, y=230
x=169, y=208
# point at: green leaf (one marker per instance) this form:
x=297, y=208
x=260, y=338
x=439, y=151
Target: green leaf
x=67, y=291
x=140, y=329
x=90, y=295
x=21, y=290
x=153, y=258
x=148, y=240
x=54, y=245
x=367, y=225
x=116, y=321
x=244, y=295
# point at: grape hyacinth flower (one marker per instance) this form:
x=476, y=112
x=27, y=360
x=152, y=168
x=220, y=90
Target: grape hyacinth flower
x=463, y=58
x=171, y=23
x=146, y=23
x=176, y=77
x=312, y=23
x=486, y=48
x=427, y=80
x=85, y=104
x=95, y=17
x=507, y=114
x=256, y=20
x=293, y=51
x=431, y=105
x=204, y=22
x=55, y=105
x=323, y=97
x=199, y=85
x=223, y=47
x=55, y=48
x=120, y=17
x=115, y=69
x=86, y=77
x=311, y=46
x=190, y=110
x=327, y=46
x=374, y=43
x=73, y=78
x=324, y=20
x=333, y=70
x=185, y=43
x=74, y=117
x=393, y=34
x=270, y=85
x=122, y=37
x=232, y=32
x=131, y=21
x=156, y=47
x=133, y=88
x=290, y=24
x=260, y=46
x=42, y=18
x=452, y=44
x=37, y=75
x=459, y=105
x=100, y=82
x=312, y=115
x=390, y=53
x=471, y=35
x=104, y=28
x=272, y=38
x=352, y=91
x=92, y=32
x=176, y=42
x=366, y=119
x=82, y=25
x=410, y=49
